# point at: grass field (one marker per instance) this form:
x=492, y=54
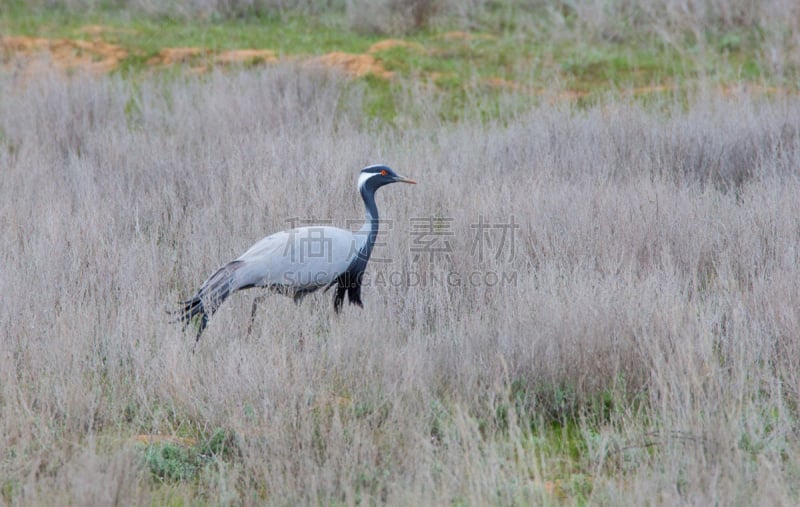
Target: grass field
x=471, y=55
x=582, y=302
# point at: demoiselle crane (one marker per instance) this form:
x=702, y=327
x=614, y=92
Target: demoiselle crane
x=299, y=261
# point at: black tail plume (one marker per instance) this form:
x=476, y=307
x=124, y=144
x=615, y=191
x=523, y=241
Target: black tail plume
x=208, y=298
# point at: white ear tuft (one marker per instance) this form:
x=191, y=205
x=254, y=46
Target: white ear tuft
x=362, y=179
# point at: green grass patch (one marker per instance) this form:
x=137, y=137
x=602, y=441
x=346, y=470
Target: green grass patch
x=494, y=60
x=173, y=461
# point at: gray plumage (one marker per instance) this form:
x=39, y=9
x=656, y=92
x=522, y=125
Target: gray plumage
x=299, y=261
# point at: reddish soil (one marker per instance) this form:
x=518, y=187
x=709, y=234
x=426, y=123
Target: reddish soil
x=27, y=56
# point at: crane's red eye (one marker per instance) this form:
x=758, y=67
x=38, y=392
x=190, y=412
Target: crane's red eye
x=384, y=173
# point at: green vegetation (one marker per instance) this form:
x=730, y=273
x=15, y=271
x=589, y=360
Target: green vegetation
x=176, y=461
x=495, y=57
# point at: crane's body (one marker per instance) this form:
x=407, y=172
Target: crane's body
x=299, y=261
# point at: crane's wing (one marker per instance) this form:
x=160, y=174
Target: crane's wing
x=300, y=260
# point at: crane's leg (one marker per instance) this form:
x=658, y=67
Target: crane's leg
x=256, y=302
x=200, y=327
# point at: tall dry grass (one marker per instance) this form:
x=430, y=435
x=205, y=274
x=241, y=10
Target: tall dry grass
x=649, y=306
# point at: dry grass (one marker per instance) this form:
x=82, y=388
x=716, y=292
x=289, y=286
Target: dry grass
x=650, y=308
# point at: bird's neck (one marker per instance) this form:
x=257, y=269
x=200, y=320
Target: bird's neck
x=370, y=227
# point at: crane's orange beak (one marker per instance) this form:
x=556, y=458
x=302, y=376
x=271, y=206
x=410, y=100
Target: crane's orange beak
x=405, y=180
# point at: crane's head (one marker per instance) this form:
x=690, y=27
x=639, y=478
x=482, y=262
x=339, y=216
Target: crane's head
x=375, y=176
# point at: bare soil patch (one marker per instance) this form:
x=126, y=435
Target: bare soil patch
x=357, y=65
x=395, y=43
x=31, y=55
x=175, y=56
x=246, y=56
